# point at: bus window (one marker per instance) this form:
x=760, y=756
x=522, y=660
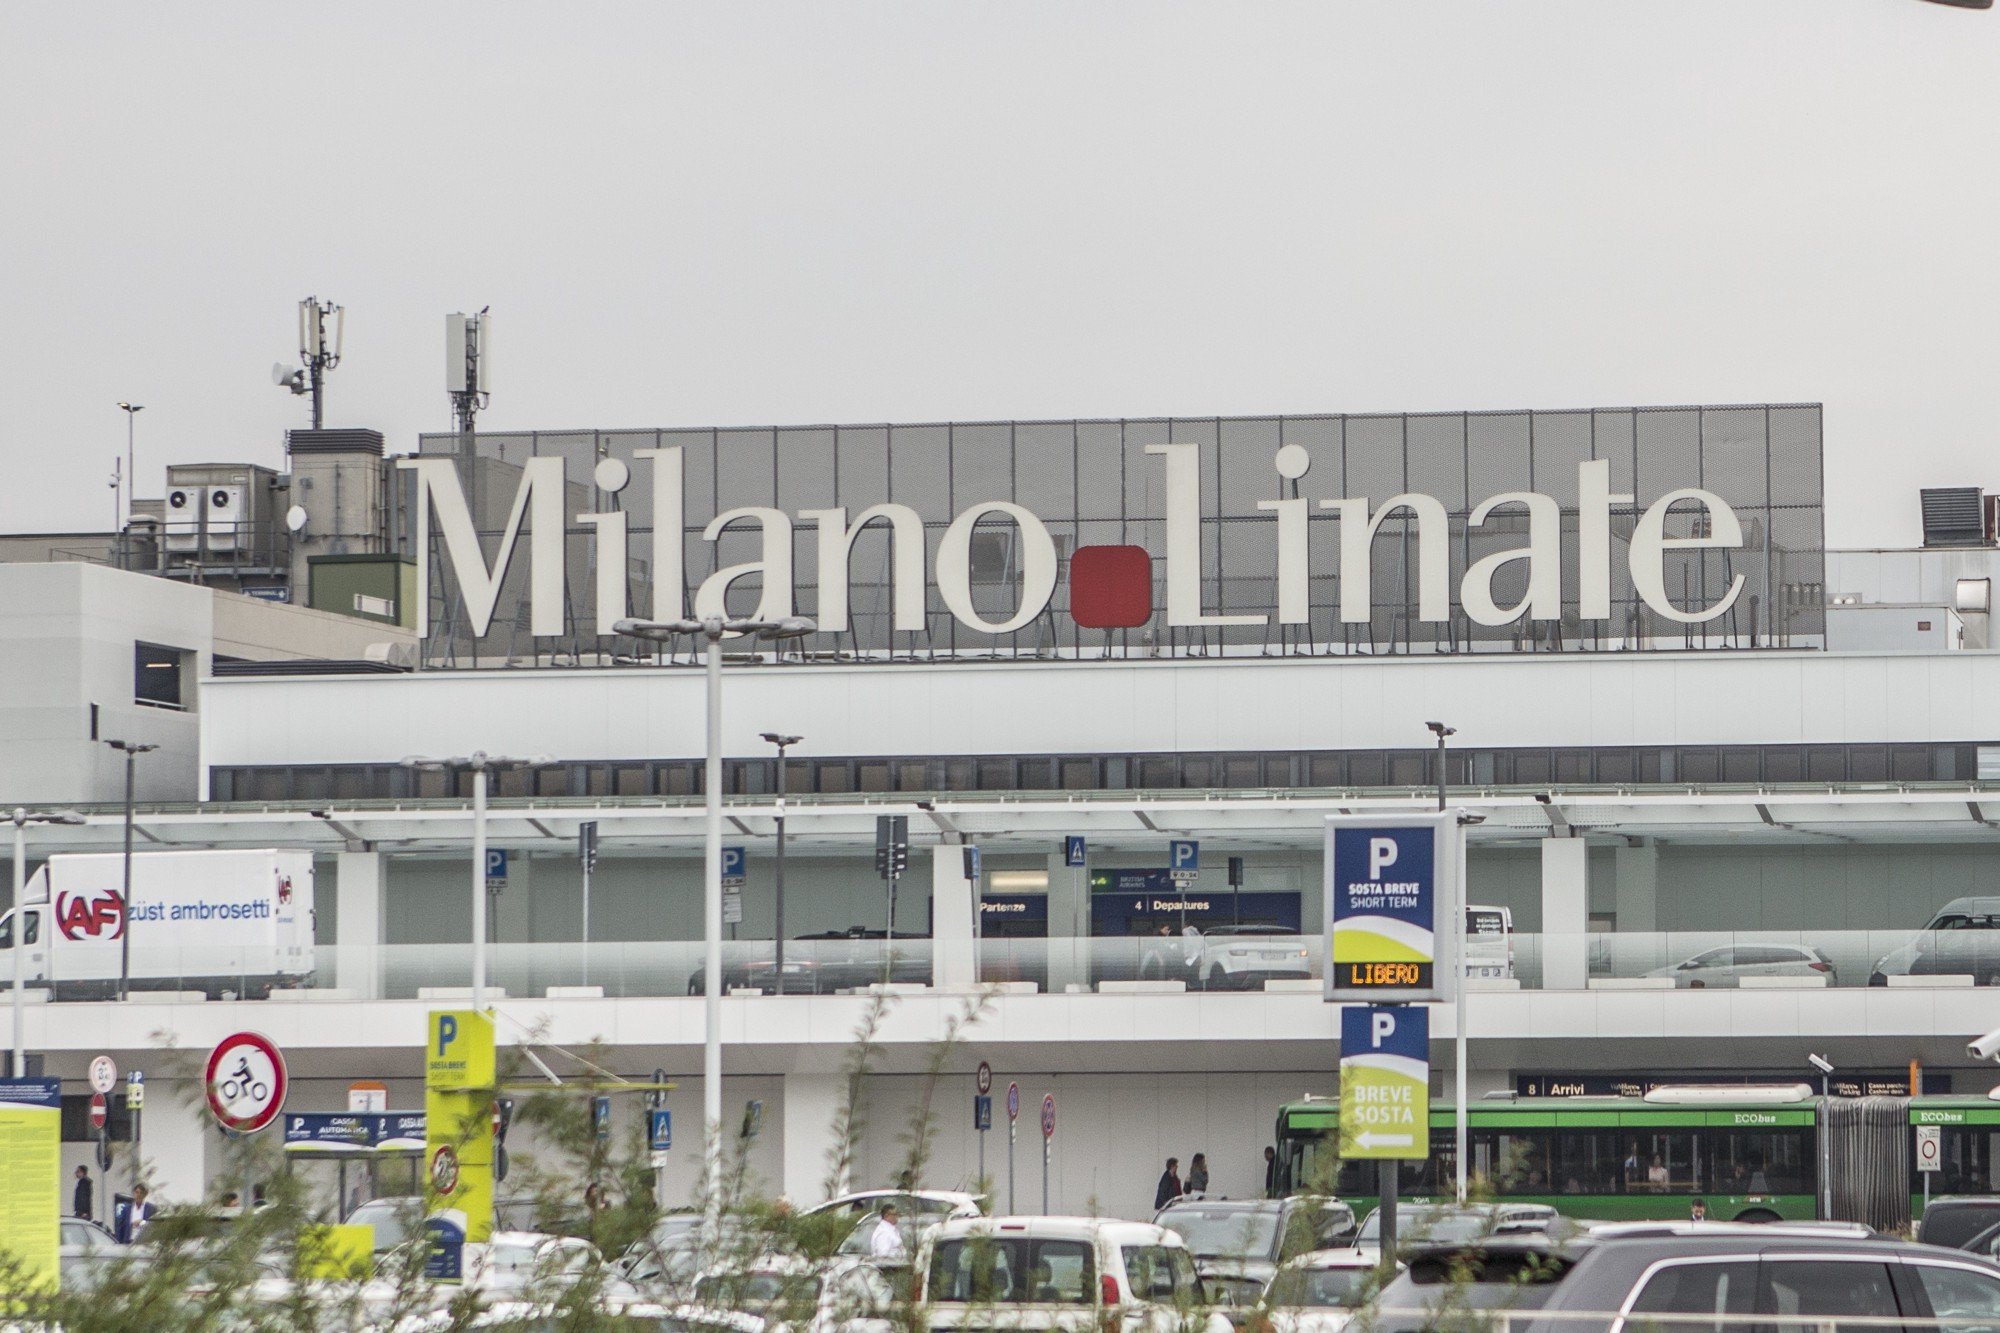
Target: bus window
x=1967, y=1160
x=1759, y=1161
x=1589, y=1161
x=1510, y=1161
x=1659, y=1162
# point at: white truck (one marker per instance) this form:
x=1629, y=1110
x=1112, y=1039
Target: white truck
x=227, y=923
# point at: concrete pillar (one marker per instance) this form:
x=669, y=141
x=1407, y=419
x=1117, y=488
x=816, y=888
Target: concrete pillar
x=1069, y=924
x=1636, y=883
x=954, y=948
x=360, y=923
x=809, y=1109
x=1565, y=913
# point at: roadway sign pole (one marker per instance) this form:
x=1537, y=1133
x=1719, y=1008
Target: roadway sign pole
x=1048, y=1141
x=1455, y=904
x=1013, y=1124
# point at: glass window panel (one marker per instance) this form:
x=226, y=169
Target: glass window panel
x=1079, y=774
x=1326, y=770
x=1573, y=766
x=632, y=780
x=1868, y=763
x=1197, y=770
x=996, y=775
x=1697, y=765
x=1617, y=766
x=1159, y=772
x=679, y=779
x=1719, y=1289
x=1911, y=763
x=871, y=775
x=960, y=775
x=354, y=783
x=1533, y=767
x=832, y=775
x=1242, y=770
x=1740, y=763
x=1410, y=770
x=311, y=784
x=913, y=775
x=1800, y=1287
x=1367, y=768
x=1038, y=774
x=1826, y=763
x=1784, y=763
x=1959, y=1294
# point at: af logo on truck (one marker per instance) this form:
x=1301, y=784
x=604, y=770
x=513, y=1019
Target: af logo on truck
x=90, y=918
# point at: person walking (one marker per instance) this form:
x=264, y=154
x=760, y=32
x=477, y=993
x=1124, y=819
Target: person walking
x=1170, y=1185
x=1270, y=1172
x=142, y=1211
x=1197, y=1176
x=84, y=1190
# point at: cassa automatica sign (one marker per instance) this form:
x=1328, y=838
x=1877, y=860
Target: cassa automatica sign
x=1391, y=890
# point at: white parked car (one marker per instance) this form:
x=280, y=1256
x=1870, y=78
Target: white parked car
x=1730, y=963
x=839, y=1295
x=1244, y=957
x=1319, y=1292
x=920, y=1210
x=1075, y=1274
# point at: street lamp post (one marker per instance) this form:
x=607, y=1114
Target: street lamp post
x=783, y=743
x=1458, y=1041
x=131, y=750
x=21, y=819
x=712, y=629
x=131, y=410
x=480, y=764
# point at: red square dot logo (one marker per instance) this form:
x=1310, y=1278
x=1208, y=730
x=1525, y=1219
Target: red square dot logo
x=1111, y=587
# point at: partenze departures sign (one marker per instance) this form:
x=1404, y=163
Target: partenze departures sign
x=1605, y=529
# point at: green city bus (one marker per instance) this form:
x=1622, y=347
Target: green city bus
x=1968, y=1147
x=1750, y=1153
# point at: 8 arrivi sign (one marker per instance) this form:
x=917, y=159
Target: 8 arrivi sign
x=245, y=1082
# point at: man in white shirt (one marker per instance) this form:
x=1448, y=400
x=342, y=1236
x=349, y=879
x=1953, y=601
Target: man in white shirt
x=887, y=1243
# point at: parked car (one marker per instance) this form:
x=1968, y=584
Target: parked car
x=1446, y=1224
x=664, y=1263
x=514, y=1262
x=1957, y=1221
x=87, y=1251
x=1728, y=964
x=1075, y=1274
x=1239, y=1243
x=833, y=960
x=1639, y=1275
x=1963, y=938
x=1489, y=941
x=1318, y=1292
x=1447, y=1285
x=921, y=1211
x=840, y=1295
x=1243, y=957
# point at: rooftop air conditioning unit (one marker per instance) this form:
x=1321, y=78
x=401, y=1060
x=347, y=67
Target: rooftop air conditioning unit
x=183, y=526
x=228, y=517
x=1954, y=516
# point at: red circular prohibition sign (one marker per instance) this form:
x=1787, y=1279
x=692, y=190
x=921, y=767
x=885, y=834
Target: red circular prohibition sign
x=225, y=1076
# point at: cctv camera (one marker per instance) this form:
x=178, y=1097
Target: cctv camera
x=1821, y=1063
x=1986, y=1047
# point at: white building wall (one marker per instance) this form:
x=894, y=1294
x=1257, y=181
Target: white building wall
x=1116, y=707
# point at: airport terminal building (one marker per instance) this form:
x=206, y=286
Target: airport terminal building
x=1738, y=796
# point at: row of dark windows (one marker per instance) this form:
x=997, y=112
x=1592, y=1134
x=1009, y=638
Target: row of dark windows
x=1610, y=766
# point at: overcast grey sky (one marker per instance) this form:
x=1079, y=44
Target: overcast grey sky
x=766, y=213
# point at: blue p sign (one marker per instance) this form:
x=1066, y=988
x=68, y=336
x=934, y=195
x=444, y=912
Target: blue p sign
x=496, y=863
x=732, y=862
x=447, y=1031
x=1183, y=854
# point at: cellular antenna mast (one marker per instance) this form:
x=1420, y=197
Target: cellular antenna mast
x=317, y=355
x=467, y=344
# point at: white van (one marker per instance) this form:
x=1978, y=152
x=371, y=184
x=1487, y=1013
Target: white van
x=1489, y=941
x=1075, y=1274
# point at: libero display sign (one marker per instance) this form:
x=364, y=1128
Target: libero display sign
x=1391, y=907
x=1600, y=529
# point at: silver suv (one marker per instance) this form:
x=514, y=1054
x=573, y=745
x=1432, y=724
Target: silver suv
x=1718, y=1276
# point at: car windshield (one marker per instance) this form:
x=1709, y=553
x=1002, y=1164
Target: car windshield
x=1345, y=1288
x=1233, y=1233
x=756, y=1289
x=1490, y=1268
x=1013, y=1270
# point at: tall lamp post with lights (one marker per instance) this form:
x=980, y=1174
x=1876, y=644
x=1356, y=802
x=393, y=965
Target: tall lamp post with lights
x=1458, y=1041
x=131, y=410
x=712, y=630
x=131, y=750
x=480, y=764
x=784, y=743
x=21, y=819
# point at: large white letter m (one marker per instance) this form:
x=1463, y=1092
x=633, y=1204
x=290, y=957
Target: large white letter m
x=539, y=498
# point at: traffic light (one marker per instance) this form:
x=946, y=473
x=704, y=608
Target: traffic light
x=892, y=845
